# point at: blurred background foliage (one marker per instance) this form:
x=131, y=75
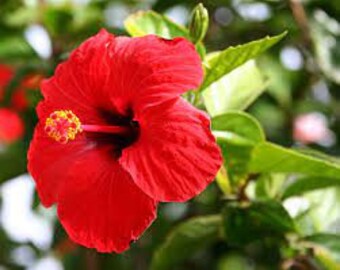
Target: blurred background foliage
x=270, y=208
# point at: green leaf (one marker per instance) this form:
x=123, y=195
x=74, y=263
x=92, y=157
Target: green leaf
x=330, y=242
x=224, y=62
x=237, y=133
x=185, y=240
x=244, y=224
x=58, y=20
x=12, y=161
x=235, y=261
x=222, y=181
x=234, y=91
x=279, y=79
x=238, y=125
x=326, y=260
x=323, y=211
x=268, y=157
x=23, y=16
x=149, y=22
x=269, y=186
x=307, y=184
x=15, y=48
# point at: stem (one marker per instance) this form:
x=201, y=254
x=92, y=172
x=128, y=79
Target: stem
x=301, y=19
x=91, y=260
x=242, y=195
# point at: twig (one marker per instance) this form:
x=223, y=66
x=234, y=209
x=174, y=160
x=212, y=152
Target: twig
x=91, y=260
x=301, y=19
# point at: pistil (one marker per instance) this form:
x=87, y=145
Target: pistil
x=63, y=126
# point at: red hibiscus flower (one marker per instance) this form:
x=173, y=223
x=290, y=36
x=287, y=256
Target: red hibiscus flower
x=11, y=126
x=114, y=137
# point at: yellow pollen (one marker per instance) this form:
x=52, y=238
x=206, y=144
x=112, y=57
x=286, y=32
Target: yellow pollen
x=62, y=126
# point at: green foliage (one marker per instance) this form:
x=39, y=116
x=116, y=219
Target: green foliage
x=12, y=161
x=234, y=91
x=225, y=61
x=58, y=20
x=326, y=39
x=279, y=80
x=237, y=133
x=306, y=184
x=269, y=186
x=268, y=157
x=330, y=242
x=199, y=23
x=15, y=48
x=237, y=128
x=235, y=262
x=246, y=223
x=185, y=240
x=149, y=22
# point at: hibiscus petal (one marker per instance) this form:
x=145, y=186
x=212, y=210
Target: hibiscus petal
x=149, y=70
x=78, y=82
x=176, y=155
x=49, y=162
x=100, y=206
x=123, y=74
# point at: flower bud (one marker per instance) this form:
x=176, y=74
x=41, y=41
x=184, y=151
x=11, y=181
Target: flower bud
x=199, y=23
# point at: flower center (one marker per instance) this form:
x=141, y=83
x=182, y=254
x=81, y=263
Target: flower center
x=63, y=126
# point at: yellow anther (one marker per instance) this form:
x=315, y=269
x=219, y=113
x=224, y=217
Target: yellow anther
x=62, y=126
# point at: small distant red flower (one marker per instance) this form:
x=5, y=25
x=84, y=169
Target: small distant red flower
x=6, y=75
x=114, y=137
x=19, y=99
x=11, y=126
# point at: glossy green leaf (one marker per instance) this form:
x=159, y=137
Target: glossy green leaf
x=279, y=80
x=225, y=61
x=58, y=20
x=15, y=48
x=330, y=242
x=223, y=181
x=324, y=208
x=234, y=91
x=244, y=224
x=149, y=22
x=185, y=240
x=307, y=184
x=269, y=186
x=237, y=133
x=23, y=16
x=239, y=125
x=326, y=260
x=268, y=157
x=235, y=261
